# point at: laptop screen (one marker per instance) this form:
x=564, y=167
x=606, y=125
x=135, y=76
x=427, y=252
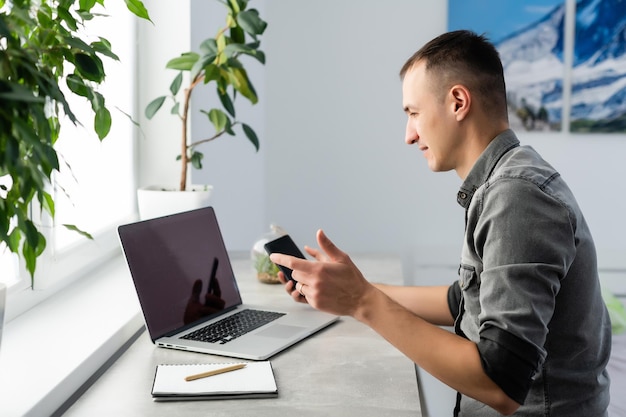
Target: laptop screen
x=180, y=268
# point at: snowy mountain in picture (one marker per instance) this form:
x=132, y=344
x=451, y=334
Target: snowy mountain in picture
x=534, y=69
x=599, y=74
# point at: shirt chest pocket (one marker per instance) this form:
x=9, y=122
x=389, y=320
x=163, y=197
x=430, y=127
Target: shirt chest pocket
x=470, y=291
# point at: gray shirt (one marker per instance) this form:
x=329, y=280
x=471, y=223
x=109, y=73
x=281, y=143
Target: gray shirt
x=529, y=293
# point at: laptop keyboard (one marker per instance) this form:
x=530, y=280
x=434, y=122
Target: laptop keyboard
x=231, y=327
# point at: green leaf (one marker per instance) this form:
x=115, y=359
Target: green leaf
x=196, y=159
x=260, y=56
x=86, y=5
x=137, y=7
x=206, y=61
x=218, y=118
x=211, y=72
x=79, y=231
x=233, y=49
x=133, y=121
x=47, y=202
x=78, y=43
x=102, y=122
x=103, y=46
x=250, y=21
x=154, y=106
x=28, y=253
x=227, y=103
x=14, y=240
x=48, y=158
x=66, y=16
x=184, y=62
x=229, y=129
x=234, y=63
x=239, y=80
x=175, y=108
x=77, y=85
x=97, y=101
x=21, y=93
x=31, y=233
x=208, y=46
x=84, y=16
x=45, y=21
x=237, y=34
x=251, y=135
x=176, y=84
x=89, y=66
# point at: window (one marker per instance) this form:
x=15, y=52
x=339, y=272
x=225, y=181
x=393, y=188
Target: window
x=95, y=188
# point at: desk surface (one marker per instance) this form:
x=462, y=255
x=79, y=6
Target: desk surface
x=345, y=370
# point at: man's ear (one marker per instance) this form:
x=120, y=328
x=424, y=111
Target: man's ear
x=461, y=101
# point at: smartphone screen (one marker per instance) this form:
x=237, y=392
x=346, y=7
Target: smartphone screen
x=287, y=246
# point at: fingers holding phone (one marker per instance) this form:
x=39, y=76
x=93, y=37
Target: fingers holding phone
x=286, y=245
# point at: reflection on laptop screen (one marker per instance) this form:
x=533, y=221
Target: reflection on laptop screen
x=182, y=259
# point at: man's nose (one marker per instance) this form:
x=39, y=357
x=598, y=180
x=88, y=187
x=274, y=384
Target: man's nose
x=410, y=137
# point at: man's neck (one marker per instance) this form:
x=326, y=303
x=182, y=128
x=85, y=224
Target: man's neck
x=478, y=137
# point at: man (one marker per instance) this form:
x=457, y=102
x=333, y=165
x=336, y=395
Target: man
x=532, y=332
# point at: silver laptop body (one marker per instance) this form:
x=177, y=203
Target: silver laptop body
x=185, y=281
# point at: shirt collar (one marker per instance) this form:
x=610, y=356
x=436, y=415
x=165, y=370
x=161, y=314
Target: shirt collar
x=485, y=164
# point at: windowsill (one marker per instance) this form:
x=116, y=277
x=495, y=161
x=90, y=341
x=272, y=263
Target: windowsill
x=52, y=350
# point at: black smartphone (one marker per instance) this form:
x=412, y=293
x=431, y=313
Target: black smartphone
x=286, y=245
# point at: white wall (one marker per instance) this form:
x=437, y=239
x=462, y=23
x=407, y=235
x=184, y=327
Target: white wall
x=167, y=37
x=331, y=128
x=593, y=166
x=332, y=151
x=231, y=164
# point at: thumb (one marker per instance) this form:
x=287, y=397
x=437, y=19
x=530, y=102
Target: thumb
x=333, y=252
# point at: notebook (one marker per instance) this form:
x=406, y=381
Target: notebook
x=185, y=282
x=255, y=380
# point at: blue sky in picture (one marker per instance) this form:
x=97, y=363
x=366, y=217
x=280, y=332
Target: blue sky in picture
x=497, y=18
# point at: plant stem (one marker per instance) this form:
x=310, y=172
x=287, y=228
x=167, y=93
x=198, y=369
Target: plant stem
x=184, y=157
x=217, y=135
x=183, y=152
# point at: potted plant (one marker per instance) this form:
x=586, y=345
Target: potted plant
x=40, y=42
x=218, y=62
x=266, y=270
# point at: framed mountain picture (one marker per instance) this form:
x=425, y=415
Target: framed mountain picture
x=598, y=95
x=564, y=61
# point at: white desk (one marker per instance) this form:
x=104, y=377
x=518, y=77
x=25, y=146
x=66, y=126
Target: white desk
x=345, y=370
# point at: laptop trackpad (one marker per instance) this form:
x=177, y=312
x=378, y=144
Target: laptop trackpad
x=280, y=330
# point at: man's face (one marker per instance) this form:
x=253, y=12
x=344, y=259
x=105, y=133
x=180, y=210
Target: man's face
x=431, y=123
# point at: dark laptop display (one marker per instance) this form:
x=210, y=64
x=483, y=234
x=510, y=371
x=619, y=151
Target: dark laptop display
x=199, y=279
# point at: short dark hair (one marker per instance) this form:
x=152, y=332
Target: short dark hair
x=464, y=57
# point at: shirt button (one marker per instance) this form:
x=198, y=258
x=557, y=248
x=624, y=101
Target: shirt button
x=462, y=195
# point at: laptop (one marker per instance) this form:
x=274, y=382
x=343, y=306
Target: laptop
x=189, y=295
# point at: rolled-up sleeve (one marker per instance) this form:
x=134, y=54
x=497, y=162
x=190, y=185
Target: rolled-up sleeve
x=454, y=299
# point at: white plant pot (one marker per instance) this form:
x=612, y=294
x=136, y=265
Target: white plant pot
x=156, y=201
